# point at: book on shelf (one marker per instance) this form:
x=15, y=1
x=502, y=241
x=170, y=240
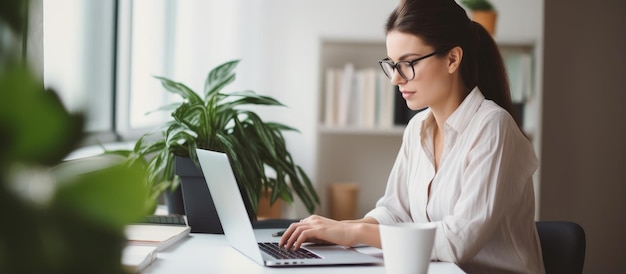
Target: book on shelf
x=160, y=231
x=385, y=101
x=343, y=94
x=361, y=98
x=356, y=108
x=368, y=102
x=330, y=97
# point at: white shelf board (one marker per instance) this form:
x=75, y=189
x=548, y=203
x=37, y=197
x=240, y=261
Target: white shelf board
x=393, y=131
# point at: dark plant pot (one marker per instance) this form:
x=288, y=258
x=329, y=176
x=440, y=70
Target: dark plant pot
x=174, y=201
x=199, y=207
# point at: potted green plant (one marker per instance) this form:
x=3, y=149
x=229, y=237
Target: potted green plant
x=219, y=121
x=482, y=12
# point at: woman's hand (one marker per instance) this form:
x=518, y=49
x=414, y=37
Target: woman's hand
x=321, y=230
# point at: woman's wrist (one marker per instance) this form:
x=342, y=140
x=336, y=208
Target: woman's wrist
x=364, y=233
x=366, y=220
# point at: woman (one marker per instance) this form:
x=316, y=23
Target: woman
x=464, y=163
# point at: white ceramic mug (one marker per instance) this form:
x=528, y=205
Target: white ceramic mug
x=407, y=247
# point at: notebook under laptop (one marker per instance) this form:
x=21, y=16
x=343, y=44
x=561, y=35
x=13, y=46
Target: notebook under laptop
x=238, y=228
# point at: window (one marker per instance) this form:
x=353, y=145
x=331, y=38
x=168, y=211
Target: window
x=102, y=56
x=145, y=49
x=79, y=57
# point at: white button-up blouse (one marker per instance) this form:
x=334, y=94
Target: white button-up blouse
x=481, y=198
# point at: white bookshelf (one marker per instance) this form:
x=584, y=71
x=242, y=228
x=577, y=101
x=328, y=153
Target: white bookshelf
x=351, y=153
x=365, y=155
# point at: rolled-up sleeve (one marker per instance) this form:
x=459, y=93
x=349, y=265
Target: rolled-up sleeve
x=394, y=206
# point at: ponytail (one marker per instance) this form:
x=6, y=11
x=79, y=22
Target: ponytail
x=486, y=70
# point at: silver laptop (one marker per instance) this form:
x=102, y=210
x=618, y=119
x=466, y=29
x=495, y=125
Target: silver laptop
x=258, y=244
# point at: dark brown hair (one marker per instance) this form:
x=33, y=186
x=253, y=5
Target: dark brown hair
x=444, y=24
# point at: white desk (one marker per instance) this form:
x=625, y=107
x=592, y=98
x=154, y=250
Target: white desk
x=211, y=253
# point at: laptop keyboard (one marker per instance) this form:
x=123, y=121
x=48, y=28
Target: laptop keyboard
x=281, y=253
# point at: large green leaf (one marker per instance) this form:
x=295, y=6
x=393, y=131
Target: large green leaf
x=249, y=97
x=219, y=77
x=180, y=89
x=34, y=125
x=111, y=197
x=170, y=107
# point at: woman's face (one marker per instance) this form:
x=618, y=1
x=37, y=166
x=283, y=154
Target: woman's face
x=432, y=83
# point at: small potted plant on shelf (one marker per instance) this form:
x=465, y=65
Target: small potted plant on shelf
x=219, y=121
x=482, y=12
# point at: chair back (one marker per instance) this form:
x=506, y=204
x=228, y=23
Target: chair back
x=563, y=246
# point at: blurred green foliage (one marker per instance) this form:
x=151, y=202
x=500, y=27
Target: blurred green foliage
x=58, y=217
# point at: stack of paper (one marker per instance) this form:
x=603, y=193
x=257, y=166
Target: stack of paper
x=160, y=236
x=145, y=239
x=136, y=258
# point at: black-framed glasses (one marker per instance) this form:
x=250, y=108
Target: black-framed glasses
x=405, y=68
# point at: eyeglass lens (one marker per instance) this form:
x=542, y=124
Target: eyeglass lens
x=404, y=68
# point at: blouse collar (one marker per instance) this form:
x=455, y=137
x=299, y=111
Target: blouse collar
x=460, y=118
